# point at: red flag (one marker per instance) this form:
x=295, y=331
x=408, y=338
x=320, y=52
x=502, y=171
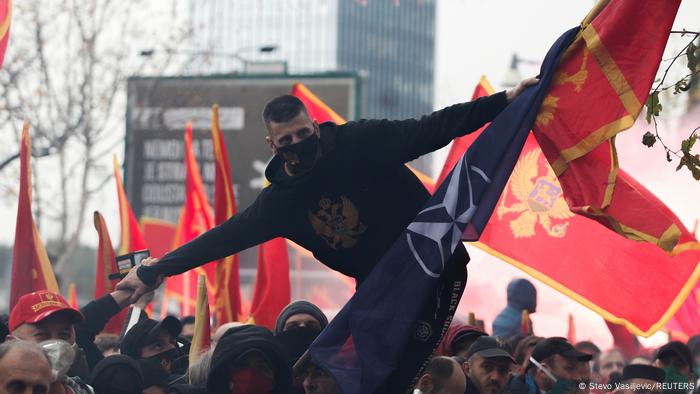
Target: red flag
x=272, y=288
x=201, y=340
x=534, y=230
x=317, y=109
x=5, y=17
x=624, y=340
x=598, y=91
x=460, y=144
x=106, y=265
x=571, y=332
x=31, y=268
x=72, y=296
x=195, y=218
x=227, y=295
x=159, y=235
x=686, y=321
x=131, y=237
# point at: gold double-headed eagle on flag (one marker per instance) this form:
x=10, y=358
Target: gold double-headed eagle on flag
x=539, y=197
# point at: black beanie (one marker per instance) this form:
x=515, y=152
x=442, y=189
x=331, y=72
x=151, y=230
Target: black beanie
x=117, y=374
x=296, y=308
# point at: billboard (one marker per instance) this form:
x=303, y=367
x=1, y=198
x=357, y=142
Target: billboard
x=158, y=109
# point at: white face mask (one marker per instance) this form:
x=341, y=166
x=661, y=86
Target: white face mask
x=61, y=355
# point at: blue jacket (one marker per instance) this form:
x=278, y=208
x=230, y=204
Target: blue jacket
x=522, y=295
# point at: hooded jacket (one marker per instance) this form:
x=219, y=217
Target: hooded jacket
x=237, y=342
x=350, y=208
x=522, y=295
x=117, y=374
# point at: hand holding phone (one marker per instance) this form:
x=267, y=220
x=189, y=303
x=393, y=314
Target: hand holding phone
x=128, y=261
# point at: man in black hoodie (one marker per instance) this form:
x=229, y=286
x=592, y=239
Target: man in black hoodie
x=341, y=191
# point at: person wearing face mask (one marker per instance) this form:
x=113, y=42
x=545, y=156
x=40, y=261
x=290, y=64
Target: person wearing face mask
x=554, y=367
x=676, y=360
x=344, y=193
x=300, y=314
x=297, y=327
x=83, y=332
x=155, y=343
x=246, y=360
x=44, y=317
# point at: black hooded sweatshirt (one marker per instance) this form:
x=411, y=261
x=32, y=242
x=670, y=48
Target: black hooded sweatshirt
x=236, y=343
x=354, y=203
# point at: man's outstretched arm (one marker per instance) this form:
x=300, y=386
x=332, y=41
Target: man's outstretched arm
x=241, y=231
x=405, y=140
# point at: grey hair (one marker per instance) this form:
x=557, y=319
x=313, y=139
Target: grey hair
x=199, y=370
x=21, y=345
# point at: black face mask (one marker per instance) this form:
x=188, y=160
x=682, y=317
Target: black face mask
x=302, y=156
x=295, y=341
x=172, y=361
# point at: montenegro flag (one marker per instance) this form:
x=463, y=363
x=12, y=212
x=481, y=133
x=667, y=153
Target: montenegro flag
x=201, y=340
x=5, y=18
x=272, y=288
x=227, y=295
x=599, y=90
x=634, y=284
x=131, y=237
x=195, y=218
x=31, y=268
x=534, y=230
x=106, y=265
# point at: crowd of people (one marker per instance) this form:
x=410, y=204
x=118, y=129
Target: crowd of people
x=347, y=212
x=50, y=347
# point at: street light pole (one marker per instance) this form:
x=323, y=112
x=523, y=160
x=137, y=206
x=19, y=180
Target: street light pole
x=198, y=52
x=513, y=75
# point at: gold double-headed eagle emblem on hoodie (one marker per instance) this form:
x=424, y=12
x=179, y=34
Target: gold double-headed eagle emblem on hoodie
x=337, y=223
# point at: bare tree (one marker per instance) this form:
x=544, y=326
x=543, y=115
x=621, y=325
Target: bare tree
x=65, y=71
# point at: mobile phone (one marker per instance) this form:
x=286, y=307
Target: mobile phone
x=128, y=261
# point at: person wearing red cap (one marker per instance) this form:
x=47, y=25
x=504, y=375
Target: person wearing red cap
x=42, y=316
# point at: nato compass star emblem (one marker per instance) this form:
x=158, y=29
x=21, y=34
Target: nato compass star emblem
x=444, y=222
